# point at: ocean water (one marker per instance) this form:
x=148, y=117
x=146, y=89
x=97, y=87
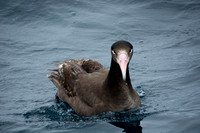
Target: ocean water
x=165, y=68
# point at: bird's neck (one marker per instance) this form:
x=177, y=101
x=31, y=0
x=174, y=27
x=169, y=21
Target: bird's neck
x=115, y=75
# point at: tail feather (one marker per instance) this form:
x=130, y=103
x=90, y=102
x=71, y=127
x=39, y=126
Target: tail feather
x=59, y=65
x=55, y=78
x=65, y=76
x=52, y=69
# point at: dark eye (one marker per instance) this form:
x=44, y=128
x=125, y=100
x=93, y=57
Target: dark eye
x=113, y=52
x=131, y=50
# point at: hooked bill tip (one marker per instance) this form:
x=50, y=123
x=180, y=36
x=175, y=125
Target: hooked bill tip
x=124, y=75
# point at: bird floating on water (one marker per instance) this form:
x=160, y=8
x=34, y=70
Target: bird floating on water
x=90, y=89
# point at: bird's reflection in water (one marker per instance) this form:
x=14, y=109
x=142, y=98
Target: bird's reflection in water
x=129, y=127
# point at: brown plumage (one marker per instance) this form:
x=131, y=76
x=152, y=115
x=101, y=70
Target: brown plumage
x=90, y=89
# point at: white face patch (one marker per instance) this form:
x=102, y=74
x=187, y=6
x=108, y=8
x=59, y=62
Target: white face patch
x=122, y=52
x=131, y=51
x=113, y=52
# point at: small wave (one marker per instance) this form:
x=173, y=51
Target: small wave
x=140, y=92
x=4, y=64
x=5, y=125
x=63, y=113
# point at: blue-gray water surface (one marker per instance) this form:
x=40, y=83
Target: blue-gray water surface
x=165, y=68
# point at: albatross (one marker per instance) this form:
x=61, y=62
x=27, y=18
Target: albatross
x=90, y=89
